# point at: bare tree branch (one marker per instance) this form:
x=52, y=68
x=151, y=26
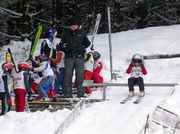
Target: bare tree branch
x=167, y=20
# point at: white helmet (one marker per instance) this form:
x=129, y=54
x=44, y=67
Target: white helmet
x=137, y=57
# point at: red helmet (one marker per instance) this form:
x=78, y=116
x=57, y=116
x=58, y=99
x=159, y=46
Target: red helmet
x=7, y=66
x=41, y=57
x=23, y=65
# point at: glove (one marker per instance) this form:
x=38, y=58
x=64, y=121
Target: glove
x=9, y=102
x=132, y=63
x=92, y=47
x=32, y=69
x=141, y=64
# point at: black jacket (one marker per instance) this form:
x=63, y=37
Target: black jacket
x=45, y=49
x=73, y=43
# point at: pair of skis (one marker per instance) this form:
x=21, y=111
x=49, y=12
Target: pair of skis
x=137, y=101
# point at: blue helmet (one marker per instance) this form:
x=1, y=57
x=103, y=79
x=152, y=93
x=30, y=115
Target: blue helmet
x=50, y=32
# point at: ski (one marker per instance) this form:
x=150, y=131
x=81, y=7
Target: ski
x=126, y=99
x=138, y=100
x=95, y=28
x=12, y=60
x=35, y=40
x=147, y=124
x=9, y=58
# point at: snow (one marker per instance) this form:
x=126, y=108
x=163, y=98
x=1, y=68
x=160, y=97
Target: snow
x=111, y=117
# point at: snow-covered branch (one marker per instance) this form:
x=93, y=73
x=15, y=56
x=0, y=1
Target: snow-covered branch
x=10, y=36
x=10, y=11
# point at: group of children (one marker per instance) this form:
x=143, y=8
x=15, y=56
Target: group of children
x=38, y=77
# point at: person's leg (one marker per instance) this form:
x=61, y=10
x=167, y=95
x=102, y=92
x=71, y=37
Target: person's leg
x=33, y=87
x=97, y=78
x=79, y=67
x=20, y=100
x=60, y=80
x=42, y=86
x=57, y=83
x=3, y=103
x=7, y=107
x=140, y=83
x=69, y=68
x=131, y=84
x=87, y=76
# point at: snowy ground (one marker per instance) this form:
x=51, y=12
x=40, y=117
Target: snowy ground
x=111, y=117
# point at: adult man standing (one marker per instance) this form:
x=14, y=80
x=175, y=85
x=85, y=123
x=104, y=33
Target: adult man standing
x=73, y=43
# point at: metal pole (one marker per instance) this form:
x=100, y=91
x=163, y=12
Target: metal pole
x=104, y=93
x=110, y=45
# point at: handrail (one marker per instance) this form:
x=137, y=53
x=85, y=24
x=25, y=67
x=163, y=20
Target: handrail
x=104, y=85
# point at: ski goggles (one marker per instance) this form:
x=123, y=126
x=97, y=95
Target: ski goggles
x=137, y=61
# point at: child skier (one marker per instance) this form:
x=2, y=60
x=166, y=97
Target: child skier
x=97, y=68
x=48, y=76
x=137, y=70
x=5, y=87
x=48, y=43
x=36, y=80
x=21, y=85
x=88, y=69
x=60, y=65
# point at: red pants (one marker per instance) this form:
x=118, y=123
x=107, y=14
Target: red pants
x=20, y=99
x=97, y=78
x=87, y=76
x=50, y=93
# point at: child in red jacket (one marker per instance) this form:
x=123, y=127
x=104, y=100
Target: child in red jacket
x=97, y=76
x=137, y=70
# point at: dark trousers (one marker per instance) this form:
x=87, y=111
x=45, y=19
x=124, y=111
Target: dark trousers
x=5, y=106
x=70, y=65
x=133, y=81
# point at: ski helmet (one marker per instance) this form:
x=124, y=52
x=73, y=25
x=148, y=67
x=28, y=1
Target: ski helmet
x=23, y=65
x=50, y=32
x=96, y=55
x=7, y=66
x=137, y=57
x=41, y=58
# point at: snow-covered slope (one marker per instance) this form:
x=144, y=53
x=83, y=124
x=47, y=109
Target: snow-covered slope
x=111, y=117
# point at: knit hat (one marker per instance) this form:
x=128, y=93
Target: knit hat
x=73, y=21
